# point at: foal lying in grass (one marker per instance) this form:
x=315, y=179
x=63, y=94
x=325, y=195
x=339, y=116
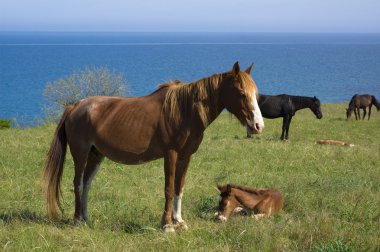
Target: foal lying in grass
x=262, y=202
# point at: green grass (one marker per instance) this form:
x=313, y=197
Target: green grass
x=332, y=193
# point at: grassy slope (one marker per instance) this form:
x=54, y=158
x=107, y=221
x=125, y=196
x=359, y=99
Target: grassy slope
x=332, y=194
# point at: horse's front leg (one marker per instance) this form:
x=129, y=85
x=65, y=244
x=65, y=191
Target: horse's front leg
x=284, y=126
x=365, y=112
x=170, y=170
x=182, y=165
x=356, y=115
x=359, y=113
x=287, y=128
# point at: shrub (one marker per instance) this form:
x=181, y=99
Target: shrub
x=5, y=124
x=94, y=81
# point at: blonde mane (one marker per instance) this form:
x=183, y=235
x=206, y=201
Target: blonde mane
x=199, y=98
x=193, y=99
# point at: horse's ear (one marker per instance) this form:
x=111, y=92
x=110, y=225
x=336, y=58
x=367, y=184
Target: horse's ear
x=315, y=98
x=228, y=188
x=249, y=69
x=236, y=69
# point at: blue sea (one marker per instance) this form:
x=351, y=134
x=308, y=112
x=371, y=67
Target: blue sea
x=332, y=67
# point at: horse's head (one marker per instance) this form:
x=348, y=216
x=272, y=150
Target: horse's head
x=316, y=107
x=348, y=113
x=227, y=203
x=239, y=96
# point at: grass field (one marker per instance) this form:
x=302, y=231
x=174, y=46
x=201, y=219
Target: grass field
x=332, y=193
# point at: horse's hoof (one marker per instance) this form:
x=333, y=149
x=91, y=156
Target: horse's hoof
x=181, y=225
x=168, y=228
x=79, y=222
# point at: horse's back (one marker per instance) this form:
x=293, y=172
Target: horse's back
x=362, y=101
x=99, y=111
x=274, y=106
x=116, y=126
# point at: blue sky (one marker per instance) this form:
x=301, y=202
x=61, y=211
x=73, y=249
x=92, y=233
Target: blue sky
x=191, y=15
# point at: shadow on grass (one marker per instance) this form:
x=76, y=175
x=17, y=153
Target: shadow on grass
x=340, y=119
x=241, y=137
x=29, y=216
x=132, y=227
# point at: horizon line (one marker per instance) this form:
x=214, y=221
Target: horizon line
x=184, y=32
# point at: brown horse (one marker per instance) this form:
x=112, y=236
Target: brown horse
x=361, y=102
x=168, y=123
x=263, y=202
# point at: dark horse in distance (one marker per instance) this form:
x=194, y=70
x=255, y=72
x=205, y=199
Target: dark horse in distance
x=168, y=123
x=285, y=106
x=361, y=102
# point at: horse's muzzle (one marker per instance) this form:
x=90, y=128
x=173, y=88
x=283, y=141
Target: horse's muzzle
x=254, y=128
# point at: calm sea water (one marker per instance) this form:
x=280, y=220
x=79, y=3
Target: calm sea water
x=332, y=67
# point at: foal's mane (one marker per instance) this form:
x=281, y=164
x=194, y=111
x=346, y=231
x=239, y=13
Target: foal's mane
x=247, y=189
x=199, y=98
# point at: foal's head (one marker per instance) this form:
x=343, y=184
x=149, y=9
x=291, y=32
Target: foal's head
x=239, y=96
x=227, y=202
x=316, y=107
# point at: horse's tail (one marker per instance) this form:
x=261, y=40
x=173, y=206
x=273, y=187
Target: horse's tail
x=375, y=102
x=52, y=173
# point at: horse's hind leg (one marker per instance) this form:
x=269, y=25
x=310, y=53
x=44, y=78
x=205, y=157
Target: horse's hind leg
x=287, y=128
x=80, y=156
x=365, y=112
x=369, y=111
x=92, y=167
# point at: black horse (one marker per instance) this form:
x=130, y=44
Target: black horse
x=286, y=106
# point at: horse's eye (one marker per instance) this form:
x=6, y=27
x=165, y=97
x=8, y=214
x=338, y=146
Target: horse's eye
x=243, y=95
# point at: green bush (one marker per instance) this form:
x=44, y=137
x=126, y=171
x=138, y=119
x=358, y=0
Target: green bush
x=5, y=124
x=93, y=81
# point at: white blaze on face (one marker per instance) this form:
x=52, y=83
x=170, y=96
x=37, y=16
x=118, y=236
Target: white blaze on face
x=258, y=122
